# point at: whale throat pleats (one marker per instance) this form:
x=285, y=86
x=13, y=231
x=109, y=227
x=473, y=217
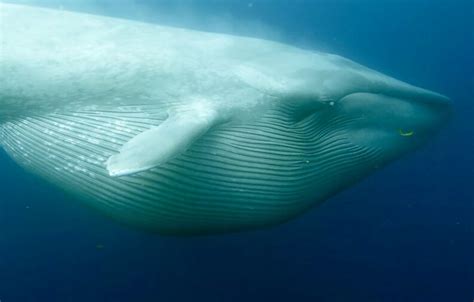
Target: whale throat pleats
x=218, y=180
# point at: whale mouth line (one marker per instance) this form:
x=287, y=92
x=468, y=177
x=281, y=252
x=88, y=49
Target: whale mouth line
x=417, y=95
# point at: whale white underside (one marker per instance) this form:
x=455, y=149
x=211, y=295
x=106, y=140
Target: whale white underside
x=232, y=179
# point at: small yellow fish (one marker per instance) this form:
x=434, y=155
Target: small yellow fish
x=406, y=133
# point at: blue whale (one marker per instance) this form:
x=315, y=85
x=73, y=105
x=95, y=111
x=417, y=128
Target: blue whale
x=184, y=132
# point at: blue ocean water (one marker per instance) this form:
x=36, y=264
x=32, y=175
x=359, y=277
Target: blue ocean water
x=403, y=234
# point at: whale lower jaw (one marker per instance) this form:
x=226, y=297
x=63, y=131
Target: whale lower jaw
x=235, y=178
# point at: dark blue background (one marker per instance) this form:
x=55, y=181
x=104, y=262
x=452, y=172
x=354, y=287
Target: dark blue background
x=403, y=234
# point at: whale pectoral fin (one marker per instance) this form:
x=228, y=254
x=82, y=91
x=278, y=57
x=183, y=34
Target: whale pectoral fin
x=158, y=145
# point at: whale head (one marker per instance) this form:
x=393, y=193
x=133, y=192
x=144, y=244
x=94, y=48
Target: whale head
x=364, y=107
